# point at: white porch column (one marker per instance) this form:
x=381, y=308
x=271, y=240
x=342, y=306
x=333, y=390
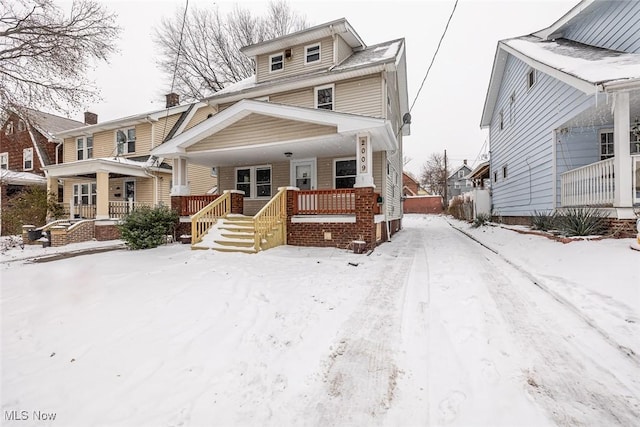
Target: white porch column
x=364, y=163
x=180, y=185
x=622, y=155
x=102, y=194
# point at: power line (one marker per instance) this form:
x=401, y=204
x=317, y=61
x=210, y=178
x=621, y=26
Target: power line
x=434, y=54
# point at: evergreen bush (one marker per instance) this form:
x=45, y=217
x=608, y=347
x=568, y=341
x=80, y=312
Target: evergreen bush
x=481, y=219
x=147, y=227
x=582, y=222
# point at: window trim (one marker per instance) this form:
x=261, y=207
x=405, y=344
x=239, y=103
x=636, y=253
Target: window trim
x=8, y=130
x=333, y=96
x=342, y=159
x=504, y=172
x=501, y=120
x=531, y=72
x=306, y=53
x=127, y=142
x=85, y=148
x=253, y=181
x=24, y=159
x=22, y=126
x=4, y=156
x=271, y=63
x=92, y=196
x=632, y=140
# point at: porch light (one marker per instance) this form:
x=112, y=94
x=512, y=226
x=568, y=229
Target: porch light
x=288, y=154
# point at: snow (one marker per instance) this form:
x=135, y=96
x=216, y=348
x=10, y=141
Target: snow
x=430, y=329
x=593, y=64
x=21, y=178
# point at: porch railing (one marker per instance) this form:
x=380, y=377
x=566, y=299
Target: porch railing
x=271, y=222
x=325, y=202
x=204, y=219
x=591, y=185
x=120, y=208
x=636, y=179
x=190, y=205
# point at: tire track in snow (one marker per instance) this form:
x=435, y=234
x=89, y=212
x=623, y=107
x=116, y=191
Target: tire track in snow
x=575, y=372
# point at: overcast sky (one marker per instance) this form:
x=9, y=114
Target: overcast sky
x=447, y=112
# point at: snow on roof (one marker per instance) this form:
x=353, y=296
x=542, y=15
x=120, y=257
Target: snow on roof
x=589, y=63
x=50, y=124
x=21, y=178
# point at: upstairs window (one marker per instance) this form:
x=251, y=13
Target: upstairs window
x=84, y=148
x=312, y=53
x=126, y=141
x=276, y=62
x=531, y=78
x=8, y=130
x=4, y=161
x=324, y=97
x=22, y=126
x=461, y=173
x=27, y=159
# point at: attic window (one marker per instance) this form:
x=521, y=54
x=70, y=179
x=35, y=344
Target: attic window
x=276, y=62
x=531, y=78
x=312, y=53
x=9, y=129
x=21, y=126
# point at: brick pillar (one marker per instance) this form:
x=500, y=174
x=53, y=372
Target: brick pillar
x=237, y=201
x=58, y=235
x=176, y=204
x=365, y=225
x=291, y=195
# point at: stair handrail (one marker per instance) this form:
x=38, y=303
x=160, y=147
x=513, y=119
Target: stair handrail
x=272, y=216
x=205, y=218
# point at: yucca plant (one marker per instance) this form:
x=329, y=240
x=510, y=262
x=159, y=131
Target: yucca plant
x=544, y=220
x=481, y=219
x=582, y=222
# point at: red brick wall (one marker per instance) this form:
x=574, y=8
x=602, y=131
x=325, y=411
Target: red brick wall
x=312, y=234
x=81, y=232
x=408, y=182
x=423, y=204
x=15, y=143
x=106, y=232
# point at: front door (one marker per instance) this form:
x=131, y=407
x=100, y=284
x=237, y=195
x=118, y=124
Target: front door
x=303, y=174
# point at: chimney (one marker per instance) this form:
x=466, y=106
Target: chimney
x=90, y=118
x=173, y=99
x=465, y=162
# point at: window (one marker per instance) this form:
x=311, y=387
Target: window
x=345, y=173
x=606, y=144
x=501, y=117
x=276, y=62
x=324, y=97
x=84, y=148
x=9, y=129
x=461, y=173
x=504, y=172
x=84, y=194
x=456, y=185
x=312, y=53
x=27, y=159
x=495, y=177
x=4, y=161
x=531, y=78
x=22, y=126
x=129, y=190
x=126, y=140
x=255, y=180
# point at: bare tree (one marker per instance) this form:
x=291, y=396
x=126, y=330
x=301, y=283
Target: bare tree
x=45, y=54
x=433, y=176
x=208, y=48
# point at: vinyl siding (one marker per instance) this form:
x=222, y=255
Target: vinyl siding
x=143, y=137
x=200, y=116
x=200, y=179
x=299, y=98
x=609, y=24
x=524, y=146
x=296, y=65
x=257, y=129
x=360, y=96
x=344, y=50
x=161, y=129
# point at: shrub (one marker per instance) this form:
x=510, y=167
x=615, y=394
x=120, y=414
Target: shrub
x=147, y=227
x=455, y=208
x=582, y=222
x=27, y=206
x=481, y=219
x=545, y=221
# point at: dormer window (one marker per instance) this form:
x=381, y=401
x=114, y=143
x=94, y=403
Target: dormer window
x=324, y=97
x=276, y=62
x=312, y=53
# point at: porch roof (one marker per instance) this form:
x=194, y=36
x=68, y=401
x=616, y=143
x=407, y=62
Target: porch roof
x=21, y=178
x=113, y=165
x=337, y=143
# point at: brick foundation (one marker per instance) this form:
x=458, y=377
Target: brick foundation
x=622, y=228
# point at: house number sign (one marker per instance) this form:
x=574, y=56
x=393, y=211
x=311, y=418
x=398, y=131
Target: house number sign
x=364, y=167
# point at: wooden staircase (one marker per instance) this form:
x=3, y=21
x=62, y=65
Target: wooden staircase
x=236, y=234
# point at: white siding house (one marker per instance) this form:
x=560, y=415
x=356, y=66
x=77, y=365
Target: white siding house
x=563, y=113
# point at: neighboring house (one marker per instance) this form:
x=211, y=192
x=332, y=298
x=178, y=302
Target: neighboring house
x=27, y=146
x=107, y=169
x=416, y=199
x=563, y=112
x=458, y=181
x=411, y=186
x=324, y=116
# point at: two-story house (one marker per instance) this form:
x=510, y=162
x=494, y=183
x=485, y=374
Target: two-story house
x=314, y=138
x=27, y=145
x=563, y=113
x=107, y=170
x=458, y=181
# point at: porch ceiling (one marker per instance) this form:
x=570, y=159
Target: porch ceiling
x=601, y=114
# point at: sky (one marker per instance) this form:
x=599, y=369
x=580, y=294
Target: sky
x=447, y=112
x=531, y=332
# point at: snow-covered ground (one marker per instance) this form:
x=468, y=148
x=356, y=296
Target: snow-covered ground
x=430, y=329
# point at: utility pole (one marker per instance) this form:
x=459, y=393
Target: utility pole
x=444, y=178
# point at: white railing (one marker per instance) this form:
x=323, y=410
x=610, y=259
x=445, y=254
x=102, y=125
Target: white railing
x=636, y=179
x=591, y=185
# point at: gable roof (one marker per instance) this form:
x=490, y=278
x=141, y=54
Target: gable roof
x=451, y=175
x=328, y=29
x=587, y=68
x=49, y=124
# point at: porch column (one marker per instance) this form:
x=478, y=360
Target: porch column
x=102, y=194
x=364, y=176
x=180, y=178
x=622, y=154
x=52, y=188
